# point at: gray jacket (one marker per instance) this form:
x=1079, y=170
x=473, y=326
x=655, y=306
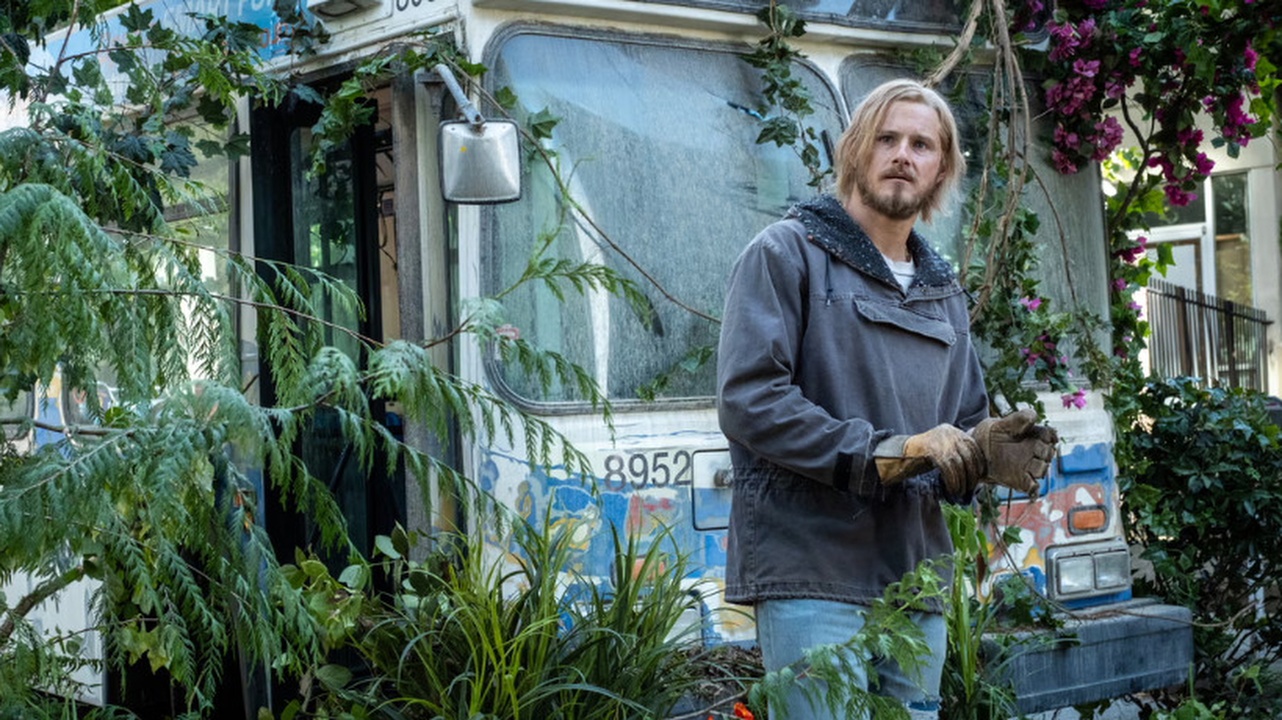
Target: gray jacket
x=823, y=356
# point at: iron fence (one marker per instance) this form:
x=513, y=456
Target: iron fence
x=1204, y=336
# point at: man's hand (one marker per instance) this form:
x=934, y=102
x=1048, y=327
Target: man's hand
x=955, y=453
x=1018, y=450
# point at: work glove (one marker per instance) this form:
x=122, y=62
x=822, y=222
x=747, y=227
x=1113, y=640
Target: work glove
x=1016, y=449
x=953, y=451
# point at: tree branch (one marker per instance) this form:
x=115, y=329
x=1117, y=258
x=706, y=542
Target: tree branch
x=35, y=597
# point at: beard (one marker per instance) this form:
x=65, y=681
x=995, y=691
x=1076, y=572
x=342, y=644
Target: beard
x=897, y=203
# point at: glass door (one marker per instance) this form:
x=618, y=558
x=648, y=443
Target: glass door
x=328, y=223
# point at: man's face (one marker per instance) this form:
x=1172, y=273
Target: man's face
x=904, y=169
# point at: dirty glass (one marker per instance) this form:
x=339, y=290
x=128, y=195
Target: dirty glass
x=658, y=143
x=1073, y=262
x=903, y=15
x=201, y=216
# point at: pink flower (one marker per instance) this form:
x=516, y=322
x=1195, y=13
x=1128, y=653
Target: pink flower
x=1134, y=57
x=1031, y=304
x=1119, y=284
x=1177, y=196
x=1236, y=120
x=1203, y=165
x=1086, y=68
x=1129, y=255
x=1086, y=30
x=1108, y=136
x=1066, y=139
x=1063, y=44
x=1251, y=56
x=1068, y=98
x=1067, y=39
x=1063, y=162
x=1076, y=399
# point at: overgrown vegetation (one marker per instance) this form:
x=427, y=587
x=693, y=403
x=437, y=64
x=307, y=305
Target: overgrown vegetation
x=1151, y=69
x=465, y=634
x=151, y=491
x=1204, y=501
x=976, y=681
x=133, y=454
x=1198, y=465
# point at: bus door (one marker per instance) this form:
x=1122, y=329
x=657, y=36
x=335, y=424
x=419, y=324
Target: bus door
x=332, y=223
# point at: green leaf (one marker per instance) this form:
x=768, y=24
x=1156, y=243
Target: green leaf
x=505, y=97
x=87, y=72
x=354, y=577
x=307, y=94
x=136, y=19
x=334, y=677
x=385, y=545
x=401, y=541
x=541, y=124
x=177, y=157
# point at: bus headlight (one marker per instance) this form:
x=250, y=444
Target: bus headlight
x=1112, y=570
x=1075, y=575
x=1079, y=571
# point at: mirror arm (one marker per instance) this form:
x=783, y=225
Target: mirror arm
x=466, y=107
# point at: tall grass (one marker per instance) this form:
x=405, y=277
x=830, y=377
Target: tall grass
x=466, y=637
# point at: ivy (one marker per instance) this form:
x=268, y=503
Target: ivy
x=786, y=100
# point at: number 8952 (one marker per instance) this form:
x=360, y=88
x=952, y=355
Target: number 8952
x=658, y=468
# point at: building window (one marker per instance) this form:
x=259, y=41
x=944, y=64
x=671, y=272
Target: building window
x=1232, y=242
x=1210, y=240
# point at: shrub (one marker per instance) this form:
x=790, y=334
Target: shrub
x=1201, y=477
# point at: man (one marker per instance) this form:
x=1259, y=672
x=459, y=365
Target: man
x=847, y=386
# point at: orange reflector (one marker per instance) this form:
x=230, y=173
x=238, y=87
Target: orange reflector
x=1087, y=519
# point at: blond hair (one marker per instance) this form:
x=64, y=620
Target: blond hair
x=856, y=142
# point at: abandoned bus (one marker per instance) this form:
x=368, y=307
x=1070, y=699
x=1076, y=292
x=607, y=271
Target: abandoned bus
x=657, y=115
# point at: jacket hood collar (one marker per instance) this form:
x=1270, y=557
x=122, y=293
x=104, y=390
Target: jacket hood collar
x=831, y=228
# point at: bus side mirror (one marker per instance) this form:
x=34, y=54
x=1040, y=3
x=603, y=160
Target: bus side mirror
x=480, y=159
x=480, y=162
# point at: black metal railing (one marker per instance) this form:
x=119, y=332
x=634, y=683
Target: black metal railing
x=1204, y=336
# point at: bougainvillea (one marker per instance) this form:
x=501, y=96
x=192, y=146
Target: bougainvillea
x=1150, y=65
x=1176, y=74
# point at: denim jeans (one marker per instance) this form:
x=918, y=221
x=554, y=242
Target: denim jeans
x=786, y=628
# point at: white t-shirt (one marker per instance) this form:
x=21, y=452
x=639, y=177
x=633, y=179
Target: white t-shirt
x=904, y=272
